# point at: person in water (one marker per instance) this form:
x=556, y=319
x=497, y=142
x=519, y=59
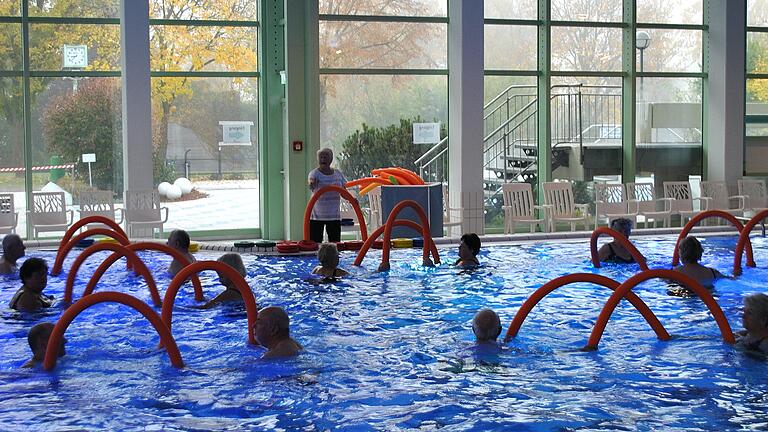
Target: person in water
x=37, y=338
x=272, y=331
x=468, y=250
x=690, y=251
x=13, y=249
x=615, y=251
x=328, y=262
x=486, y=326
x=34, y=278
x=754, y=337
x=230, y=293
x=179, y=240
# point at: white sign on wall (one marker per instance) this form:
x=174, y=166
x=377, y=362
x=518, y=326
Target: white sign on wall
x=75, y=56
x=236, y=133
x=426, y=133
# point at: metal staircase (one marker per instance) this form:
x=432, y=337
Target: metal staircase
x=510, y=145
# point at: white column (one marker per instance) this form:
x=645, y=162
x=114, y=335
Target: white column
x=465, y=115
x=727, y=41
x=137, y=121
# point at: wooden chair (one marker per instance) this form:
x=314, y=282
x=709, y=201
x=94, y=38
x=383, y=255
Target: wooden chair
x=99, y=203
x=559, y=197
x=715, y=195
x=682, y=200
x=9, y=217
x=143, y=213
x=49, y=213
x=519, y=208
x=755, y=195
x=610, y=204
x=641, y=199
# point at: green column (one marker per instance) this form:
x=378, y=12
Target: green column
x=628, y=84
x=27, y=110
x=544, y=173
x=707, y=18
x=272, y=97
x=301, y=121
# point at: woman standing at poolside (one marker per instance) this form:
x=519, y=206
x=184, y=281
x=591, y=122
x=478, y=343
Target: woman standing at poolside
x=325, y=214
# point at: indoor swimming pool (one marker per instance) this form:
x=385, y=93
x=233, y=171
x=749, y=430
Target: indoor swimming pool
x=395, y=350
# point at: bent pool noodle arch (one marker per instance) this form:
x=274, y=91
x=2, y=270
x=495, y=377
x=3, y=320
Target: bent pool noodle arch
x=66, y=247
x=89, y=220
x=390, y=223
x=744, y=239
x=397, y=222
x=52, y=352
x=141, y=269
x=556, y=283
x=629, y=284
x=710, y=214
x=628, y=245
x=245, y=291
x=160, y=247
x=347, y=196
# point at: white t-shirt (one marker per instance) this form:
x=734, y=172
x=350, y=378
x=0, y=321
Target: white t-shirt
x=327, y=207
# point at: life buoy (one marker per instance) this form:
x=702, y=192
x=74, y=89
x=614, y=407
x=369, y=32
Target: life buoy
x=401, y=243
x=288, y=247
x=307, y=245
x=353, y=245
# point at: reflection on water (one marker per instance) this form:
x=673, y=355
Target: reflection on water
x=395, y=350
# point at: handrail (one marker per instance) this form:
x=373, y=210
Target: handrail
x=54, y=341
x=628, y=245
x=744, y=238
x=416, y=162
x=629, y=284
x=140, y=268
x=513, y=117
x=251, y=310
x=397, y=222
x=706, y=215
x=65, y=248
x=544, y=290
x=344, y=193
x=160, y=247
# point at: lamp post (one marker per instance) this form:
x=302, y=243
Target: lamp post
x=642, y=41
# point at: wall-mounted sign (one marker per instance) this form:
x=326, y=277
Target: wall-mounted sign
x=426, y=133
x=236, y=133
x=75, y=56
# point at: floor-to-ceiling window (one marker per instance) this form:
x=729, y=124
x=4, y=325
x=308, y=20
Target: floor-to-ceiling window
x=383, y=67
x=670, y=79
x=60, y=90
x=205, y=110
x=756, y=142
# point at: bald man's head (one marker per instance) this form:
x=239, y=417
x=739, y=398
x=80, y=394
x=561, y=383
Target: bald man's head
x=486, y=325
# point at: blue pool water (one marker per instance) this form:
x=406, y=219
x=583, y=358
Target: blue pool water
x=394, y=351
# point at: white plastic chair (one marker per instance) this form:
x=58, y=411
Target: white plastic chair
x=682, y=200
x=348, y=212
x=374, y=209
x=519, y=208
x=143, y=213
x=641, y=198
x=9, y=217
x=610, y=204
x=99, y=203
x=559, y=197
x=755, y=193
x=715, y=194
x=49, y=213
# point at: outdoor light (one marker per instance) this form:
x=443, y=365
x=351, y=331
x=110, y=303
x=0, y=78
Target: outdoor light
x=642, y=40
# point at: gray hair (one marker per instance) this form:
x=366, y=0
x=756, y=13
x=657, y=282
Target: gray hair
x=486, y=325
x=759, y=304
x=9, y=240
x=328, y=255
x=233, y=260
x=325, y=150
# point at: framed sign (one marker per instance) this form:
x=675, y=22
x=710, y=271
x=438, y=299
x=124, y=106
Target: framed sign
x=89, y=157
x=426, y=133
x=74, y=56
x=236, y=133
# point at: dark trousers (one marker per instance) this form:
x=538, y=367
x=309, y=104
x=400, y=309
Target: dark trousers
x=333, y=228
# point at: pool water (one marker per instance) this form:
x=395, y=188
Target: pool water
x=390, y=351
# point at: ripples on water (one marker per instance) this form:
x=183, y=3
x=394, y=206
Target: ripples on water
x=394, y=351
